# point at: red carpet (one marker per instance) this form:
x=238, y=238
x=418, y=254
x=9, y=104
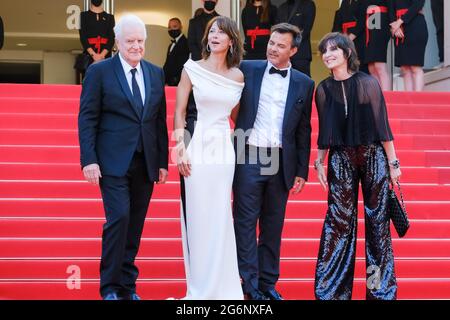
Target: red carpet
x=50, y=219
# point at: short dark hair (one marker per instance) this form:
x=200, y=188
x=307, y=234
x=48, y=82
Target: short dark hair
x=228, y=26
x=343, y=42
x=175, y=19
x=289, y=28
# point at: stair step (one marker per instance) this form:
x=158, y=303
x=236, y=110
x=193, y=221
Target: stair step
x=174, y=269
x=52, y=171
x=70, y=138
x=165, y=208
x=161, y=290
x=70, y=122
x=171, y=228
x=82, y=189
x=171, y=248
x=63, y=154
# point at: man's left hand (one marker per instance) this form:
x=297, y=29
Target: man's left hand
x=299, y=183
x=163, y=173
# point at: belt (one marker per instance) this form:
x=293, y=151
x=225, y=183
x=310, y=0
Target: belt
x=253, y=33
x=370, y=11
x=97, y=42
x=348, y=25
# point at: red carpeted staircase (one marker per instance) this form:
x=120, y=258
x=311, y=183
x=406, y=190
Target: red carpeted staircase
x=51, y=219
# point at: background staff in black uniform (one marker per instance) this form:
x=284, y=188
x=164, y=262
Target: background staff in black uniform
x=377, y=38
x=300, y=13
x=197, y=26
x=97, y=32
x=346, y=21
x=437, y=6
x=354, y=127
x=409, y=28
x=177, y=53
x=257, y=19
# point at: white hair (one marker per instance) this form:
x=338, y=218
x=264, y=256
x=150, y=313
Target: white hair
x=129, y=20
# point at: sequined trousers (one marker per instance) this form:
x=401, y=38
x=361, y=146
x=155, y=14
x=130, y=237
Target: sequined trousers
x=347, y=167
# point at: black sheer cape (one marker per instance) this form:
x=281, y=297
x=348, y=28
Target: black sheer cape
x=367, y=119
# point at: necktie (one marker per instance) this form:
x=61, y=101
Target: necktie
x=172, y=45
x=283, y=73
x=136, y=92
x=138, y=104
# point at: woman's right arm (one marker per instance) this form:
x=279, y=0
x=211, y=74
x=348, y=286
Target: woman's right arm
x=183, y=91
x=318, y=165
x=320, y=100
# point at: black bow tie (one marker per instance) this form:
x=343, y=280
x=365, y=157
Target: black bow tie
x=282, y=73
x=173, y=40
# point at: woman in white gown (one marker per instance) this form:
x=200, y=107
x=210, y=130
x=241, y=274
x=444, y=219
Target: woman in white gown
x=207, y=164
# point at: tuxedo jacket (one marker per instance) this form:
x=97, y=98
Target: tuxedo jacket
x=296, y=130
x=110, y=124
x=175, y=61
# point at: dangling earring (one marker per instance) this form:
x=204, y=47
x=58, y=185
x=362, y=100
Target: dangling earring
x=208, y=48
x=231, y=50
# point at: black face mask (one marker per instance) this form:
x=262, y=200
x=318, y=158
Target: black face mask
x=210, y=5
x=174, y=33
x=97, y=3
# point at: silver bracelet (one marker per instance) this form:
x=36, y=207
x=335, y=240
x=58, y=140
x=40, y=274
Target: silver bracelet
x=317, y=163
x=395, y=164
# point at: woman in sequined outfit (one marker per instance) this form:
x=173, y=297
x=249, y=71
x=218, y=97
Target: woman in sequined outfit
x=354, y=129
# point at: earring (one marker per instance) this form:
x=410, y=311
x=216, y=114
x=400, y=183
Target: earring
x=208, y=48
x=231, y=50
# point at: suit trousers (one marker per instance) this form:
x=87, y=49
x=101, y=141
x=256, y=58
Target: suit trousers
x=259, y=195
x=125, y=201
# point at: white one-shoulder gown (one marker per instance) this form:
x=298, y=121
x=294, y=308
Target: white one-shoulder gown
x=209, y=244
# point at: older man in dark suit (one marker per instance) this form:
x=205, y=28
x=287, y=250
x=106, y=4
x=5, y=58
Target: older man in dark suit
x=124, y=148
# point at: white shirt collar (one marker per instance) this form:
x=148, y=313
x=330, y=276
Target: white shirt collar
x=127, y=68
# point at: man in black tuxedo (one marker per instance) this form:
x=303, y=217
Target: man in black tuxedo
x=272, y=141
x=124, y=148
x=300, y=13
x=177, y=53
x=197, y=26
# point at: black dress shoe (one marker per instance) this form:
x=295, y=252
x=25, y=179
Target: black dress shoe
x=131, y=296
x=111, y=296
x=256, y=295
x=134, y=296
x=273, y=294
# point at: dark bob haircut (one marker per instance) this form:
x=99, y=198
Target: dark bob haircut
x=343, y=42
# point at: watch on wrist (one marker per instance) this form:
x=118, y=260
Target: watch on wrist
x=395, y=164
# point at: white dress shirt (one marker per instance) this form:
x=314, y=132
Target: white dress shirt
x=268, y=127
x=139, y=77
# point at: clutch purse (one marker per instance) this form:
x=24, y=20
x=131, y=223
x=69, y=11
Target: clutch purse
x=397, y=212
